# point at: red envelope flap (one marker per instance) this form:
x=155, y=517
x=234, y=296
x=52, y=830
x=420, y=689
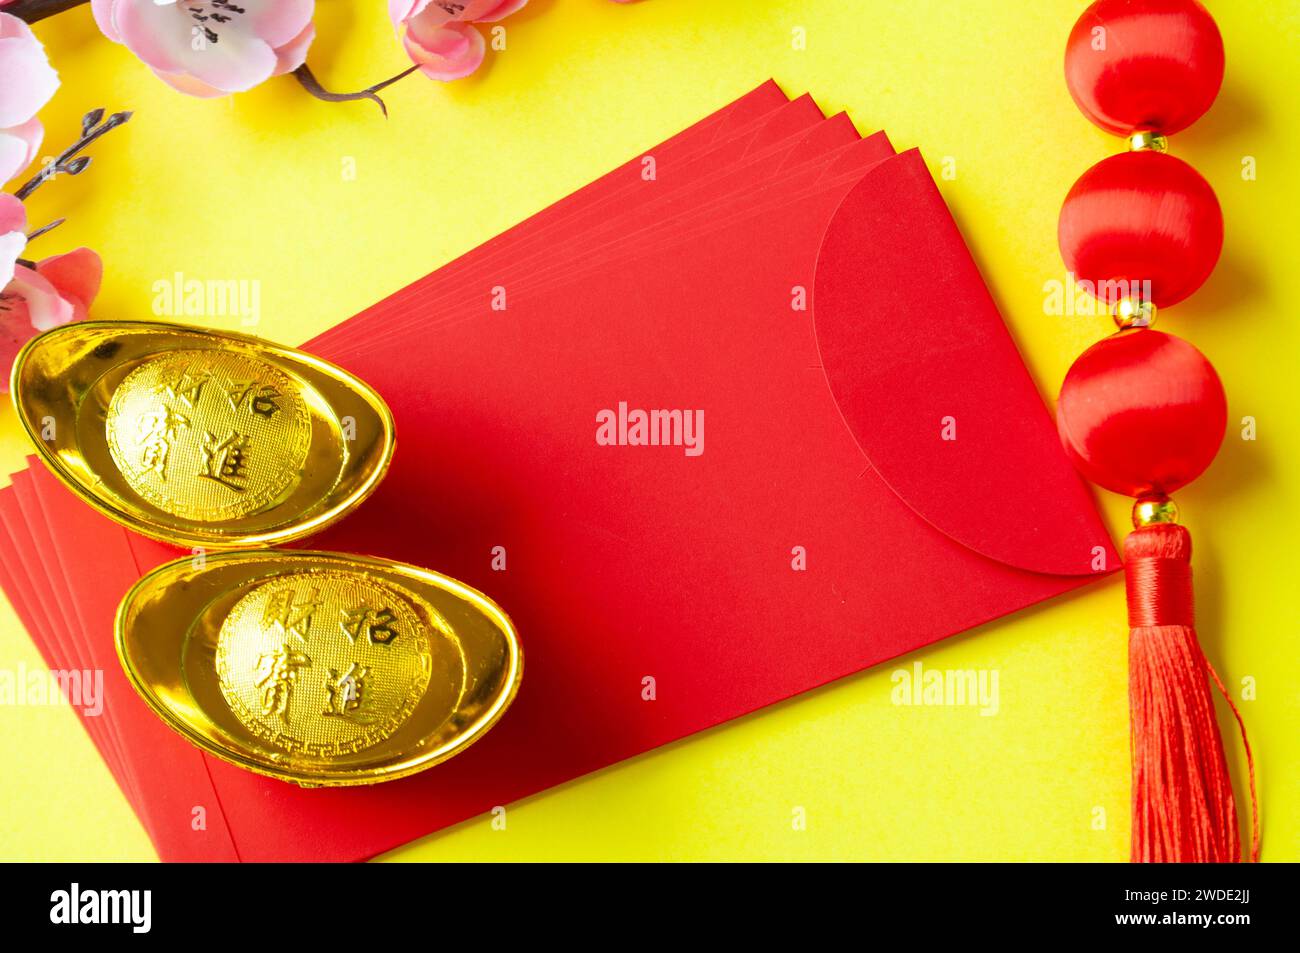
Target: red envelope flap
x=912, y=344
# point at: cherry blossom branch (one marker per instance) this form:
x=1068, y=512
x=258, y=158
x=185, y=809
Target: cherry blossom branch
x=33, y=10
x=91, y=129
x=48, y=227
x=309, y=82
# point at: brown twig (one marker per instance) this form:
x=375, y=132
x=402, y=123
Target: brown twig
x=91, y=129
x=33, y=10
x=309, y=82
x=48, y=227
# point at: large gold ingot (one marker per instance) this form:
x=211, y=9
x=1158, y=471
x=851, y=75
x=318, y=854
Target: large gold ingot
x=200, y=438
x=322, y=669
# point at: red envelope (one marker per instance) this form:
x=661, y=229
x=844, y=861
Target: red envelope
x=23, y=578
x=24, y=562
x=627, y=562
x=778, y=175
x=818, y=523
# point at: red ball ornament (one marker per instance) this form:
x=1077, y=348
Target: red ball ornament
x=1141, y=413
x=1144, y=65
x=1141, y=217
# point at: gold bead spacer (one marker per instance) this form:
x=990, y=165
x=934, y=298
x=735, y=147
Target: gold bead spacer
x=1147, y=142
x=1154, y=509
x=1134, y=313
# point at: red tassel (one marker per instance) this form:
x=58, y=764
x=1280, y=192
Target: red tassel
x=1183, y=805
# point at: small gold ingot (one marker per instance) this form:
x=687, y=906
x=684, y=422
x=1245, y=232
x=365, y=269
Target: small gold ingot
x=321, y=669
x=1134, y=313
x=1148, y=141
x=1154, y=509
x=200, y=438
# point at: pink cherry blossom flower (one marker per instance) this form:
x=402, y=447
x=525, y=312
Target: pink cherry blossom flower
x=439, y=36
x=27, y=81
x=18, y=147
x=58, y=290
x=13, y=235
x=211, y=47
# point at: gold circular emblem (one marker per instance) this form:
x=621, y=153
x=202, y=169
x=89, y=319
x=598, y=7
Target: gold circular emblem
x=208, y=435
x=322, y=664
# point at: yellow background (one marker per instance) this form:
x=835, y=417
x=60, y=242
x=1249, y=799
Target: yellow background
x=253, y=187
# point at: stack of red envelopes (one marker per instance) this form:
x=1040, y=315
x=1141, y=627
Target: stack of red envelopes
x=740, y=418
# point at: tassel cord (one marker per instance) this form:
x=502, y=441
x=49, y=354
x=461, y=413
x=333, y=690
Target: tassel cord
x=1183, y=803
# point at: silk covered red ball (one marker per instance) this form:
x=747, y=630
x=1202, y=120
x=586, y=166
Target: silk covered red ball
x=1142, y=412
x=1144, y=65
x=1140, y=217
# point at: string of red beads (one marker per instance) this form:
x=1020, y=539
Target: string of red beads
x=1142, y=412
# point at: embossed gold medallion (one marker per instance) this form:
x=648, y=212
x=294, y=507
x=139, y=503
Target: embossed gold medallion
x=208, y=436
x=197, y=437
x=326, y=662
x=318, y=668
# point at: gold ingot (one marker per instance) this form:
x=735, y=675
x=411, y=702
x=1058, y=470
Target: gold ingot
x=200, y=438
x=322, y=669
